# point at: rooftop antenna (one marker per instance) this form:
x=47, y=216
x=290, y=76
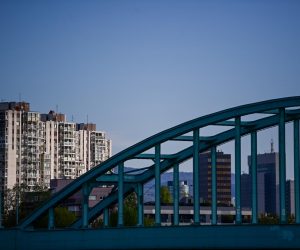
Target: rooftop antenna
x=272, y=146
x=20, y=97
x=72, y=118
x=56, y=108
x=87, y=119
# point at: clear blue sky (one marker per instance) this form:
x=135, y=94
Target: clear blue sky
x=138, y=67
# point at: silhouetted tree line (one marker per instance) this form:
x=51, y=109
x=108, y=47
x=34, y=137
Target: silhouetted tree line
x=20, y=201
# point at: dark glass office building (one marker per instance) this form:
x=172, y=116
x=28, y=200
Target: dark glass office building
x=246, y=191
x=267, y=182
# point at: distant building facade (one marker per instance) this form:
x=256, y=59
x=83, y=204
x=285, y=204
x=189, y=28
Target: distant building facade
x=74, y=202
x=290, y=197
x=183, y=189
x=35, y=148
x=223, y=177
x=267, y=182
x=246, y=191
x=226, y=215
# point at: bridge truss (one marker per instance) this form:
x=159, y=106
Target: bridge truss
x=238, y=122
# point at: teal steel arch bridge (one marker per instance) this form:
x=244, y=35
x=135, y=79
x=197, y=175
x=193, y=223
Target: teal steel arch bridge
x=237, y=122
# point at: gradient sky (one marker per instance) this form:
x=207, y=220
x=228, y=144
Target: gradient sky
x=138, y=67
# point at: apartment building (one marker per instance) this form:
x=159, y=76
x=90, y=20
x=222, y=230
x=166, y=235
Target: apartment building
x=12, y=140
x=35, y=148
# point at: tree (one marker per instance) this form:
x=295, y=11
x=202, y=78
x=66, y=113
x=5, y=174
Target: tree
x=227, y=218
x=24, y=200
x=129, y=212
x=21, y=200
x=130, y=215
x=268, y=219
x=62, y=218
x=165, y=195
x=148, y=221
x=291, y=219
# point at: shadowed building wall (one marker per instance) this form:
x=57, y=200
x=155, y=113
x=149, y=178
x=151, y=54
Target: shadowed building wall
x=223, y=177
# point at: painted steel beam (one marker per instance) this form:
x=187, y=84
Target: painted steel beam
x=85, y=204
x=106, y=217
x=157, y=139
x=113, y=178
x=107, y=202
x=282, y=166
x=160, y=238
x=214, y=218
x=196, y=195
x=237, y=156
x=270, y=112
x=140, y=199
x=120, y=194
x=137, y=170
x=232, y=123
x=51, y=218
x=254, y=176
x=292, y=112
x=176, y=194
x=152, y=156
x=277, y=111
x=157, y=185
x=191, y=138
x=187, y=153
x=297, y=171
x=222, y=138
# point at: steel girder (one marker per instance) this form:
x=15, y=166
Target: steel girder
x=178, y=158
x=222, y=118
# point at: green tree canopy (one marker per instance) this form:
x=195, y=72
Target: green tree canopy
x=130, y=215
x=165, y=195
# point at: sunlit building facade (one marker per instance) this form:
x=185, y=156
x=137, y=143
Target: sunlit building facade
x=35, y=148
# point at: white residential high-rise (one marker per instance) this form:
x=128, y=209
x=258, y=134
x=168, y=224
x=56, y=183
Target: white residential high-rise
x=51, y=148
x=32, y=150
x=183, y=189
x=35, y=148
x=100, y=147
x=12, y=140
x=74, y=148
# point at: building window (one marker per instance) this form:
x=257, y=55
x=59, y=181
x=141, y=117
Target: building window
x=92, y=197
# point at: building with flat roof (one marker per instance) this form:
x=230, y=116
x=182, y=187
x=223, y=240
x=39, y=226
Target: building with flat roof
x=35, y=148
x=225, y=215
x=223, y=177
x=183, y=189
x=74, y=202
x=267, y=182
x=246, y=191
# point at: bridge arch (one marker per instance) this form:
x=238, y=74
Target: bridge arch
x=278, y=112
